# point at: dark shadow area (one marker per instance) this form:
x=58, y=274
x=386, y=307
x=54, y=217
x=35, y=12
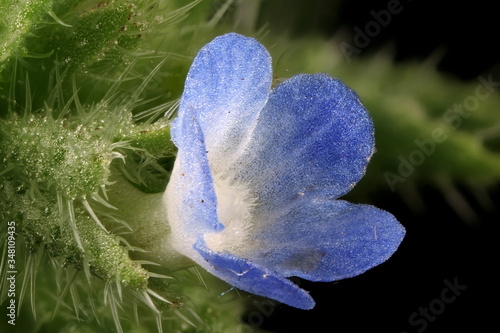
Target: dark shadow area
x=462, y=34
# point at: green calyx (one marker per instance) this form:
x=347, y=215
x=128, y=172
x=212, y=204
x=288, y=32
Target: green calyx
x=46, y=151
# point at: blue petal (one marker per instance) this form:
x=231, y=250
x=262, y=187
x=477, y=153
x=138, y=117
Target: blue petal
x=327, y=240
x=313, y=138
x=190, y=198
x=253, y=278
x=226, y=87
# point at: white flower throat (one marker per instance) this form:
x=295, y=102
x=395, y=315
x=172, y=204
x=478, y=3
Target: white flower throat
x=234, y=208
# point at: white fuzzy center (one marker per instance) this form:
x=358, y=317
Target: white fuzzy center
x=234, y=207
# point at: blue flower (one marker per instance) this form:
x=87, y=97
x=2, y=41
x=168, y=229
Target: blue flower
x=252, y=197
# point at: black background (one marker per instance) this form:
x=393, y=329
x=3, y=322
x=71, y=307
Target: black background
x=439, y=246
x=463, y=34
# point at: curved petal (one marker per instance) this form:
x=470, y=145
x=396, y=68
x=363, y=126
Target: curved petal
x=190, y=199
x=250, y=277
x=226, y=87
x=313, y=138
x=327, y=240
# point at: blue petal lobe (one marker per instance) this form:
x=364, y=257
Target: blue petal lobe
x=327, y=240
x=226, y=87
x=253, y=278
x=190, y=198
x=313, y=138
